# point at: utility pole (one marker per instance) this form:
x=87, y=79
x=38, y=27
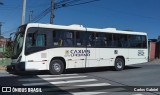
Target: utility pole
x=23, y=12
x=30, y=16
x=0, y=29
x=52, y=12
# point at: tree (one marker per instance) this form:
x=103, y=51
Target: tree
x=9, y=50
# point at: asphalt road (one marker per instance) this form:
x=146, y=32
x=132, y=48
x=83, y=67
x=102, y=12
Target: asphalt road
x=90, y=81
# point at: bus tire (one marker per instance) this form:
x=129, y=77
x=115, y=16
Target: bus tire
x=119, y=64
x=56, y=67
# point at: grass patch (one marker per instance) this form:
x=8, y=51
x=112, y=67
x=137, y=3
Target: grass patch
x=5, y=61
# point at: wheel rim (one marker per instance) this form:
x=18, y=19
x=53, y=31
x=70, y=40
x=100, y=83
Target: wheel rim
x=56, y=67
x=119, y=64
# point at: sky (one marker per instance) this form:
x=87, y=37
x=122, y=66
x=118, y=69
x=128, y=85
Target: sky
x=136, y=15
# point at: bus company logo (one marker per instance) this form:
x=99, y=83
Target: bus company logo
x=77, y=53
x=67, y=52
x=140, y=53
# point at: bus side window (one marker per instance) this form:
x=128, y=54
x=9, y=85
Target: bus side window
x=80, y=39
x=35, y=40
x=29, y=40
x=135, y=41
x=100, y=40
x=40, y=40
x=108, y=42
x=68, y=38
x=90, y=39
x=116, y=41
x=144, y=41
x=55, y=40
x=123, y=40
x=63, y=38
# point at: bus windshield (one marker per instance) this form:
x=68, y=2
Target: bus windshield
x=18, y=42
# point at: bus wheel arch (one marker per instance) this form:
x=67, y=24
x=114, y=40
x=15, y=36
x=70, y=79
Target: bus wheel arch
x=57, y=65
x=119, y=63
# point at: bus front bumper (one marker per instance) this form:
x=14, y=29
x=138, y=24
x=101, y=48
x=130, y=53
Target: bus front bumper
x=18, y=66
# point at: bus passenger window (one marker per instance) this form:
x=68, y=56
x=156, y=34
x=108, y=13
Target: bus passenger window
x=68, y=38
x=63, y=38
x=144, y=41
x=29, y=40
x=80, y=39
x=100, y=40
x=108, y=42
x=90, y=39
x=41, y=40
x=55, y=41
x=57, y=38
x=35, y=40
x=116, y=41
x=135, y=41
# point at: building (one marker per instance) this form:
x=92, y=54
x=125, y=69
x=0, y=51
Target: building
x=158, y=48
x=154, y=48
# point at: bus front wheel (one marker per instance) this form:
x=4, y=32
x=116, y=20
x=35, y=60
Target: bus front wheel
x=56, y=67
x=119, y=64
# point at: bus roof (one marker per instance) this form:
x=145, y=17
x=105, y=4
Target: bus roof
x=81, y=28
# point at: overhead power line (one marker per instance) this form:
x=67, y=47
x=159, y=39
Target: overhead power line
x=75, y=4
x=66, y=1
x=60, y=4
x=62, y=1
x=41, y=15
x=117, y=11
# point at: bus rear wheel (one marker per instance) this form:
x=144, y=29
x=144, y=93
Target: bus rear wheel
x=56, y=67
x=119, y=64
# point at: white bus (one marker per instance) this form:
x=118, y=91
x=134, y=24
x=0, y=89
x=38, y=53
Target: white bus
x=56, y=47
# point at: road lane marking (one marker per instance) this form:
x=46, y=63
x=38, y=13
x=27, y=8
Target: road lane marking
x=50, y=78
x=73, y=81
x=97, y=84
x=86, y=93
x=36, y=84
x=137, y=94
x=59, y=82
x=57, y=75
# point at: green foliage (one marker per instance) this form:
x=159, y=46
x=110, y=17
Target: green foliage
x=8, y=52
x=5, y=61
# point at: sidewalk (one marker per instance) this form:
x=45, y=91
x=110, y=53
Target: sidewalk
x=3, y=68
x=4, y=73
x=156, y=61
x=4, y=62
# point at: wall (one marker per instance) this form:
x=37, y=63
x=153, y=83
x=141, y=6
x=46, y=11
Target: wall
x=152, y=51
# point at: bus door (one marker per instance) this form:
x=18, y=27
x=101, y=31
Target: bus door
x=102, y=53
x=35, y=49
x=120, y=47
x=80, y=51
x=93, y=53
